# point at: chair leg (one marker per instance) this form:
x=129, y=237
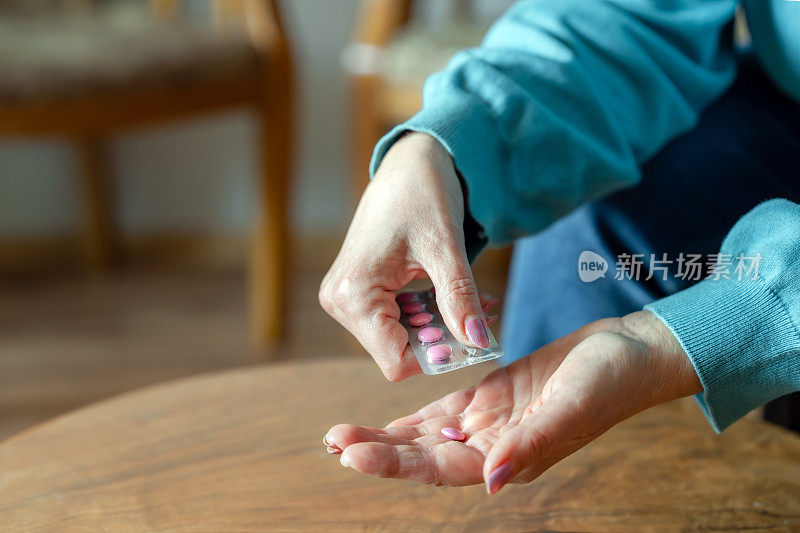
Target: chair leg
x=100, y=236
x=271, y=246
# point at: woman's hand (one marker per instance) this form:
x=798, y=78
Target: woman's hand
x=408, y=225
x=522, y=419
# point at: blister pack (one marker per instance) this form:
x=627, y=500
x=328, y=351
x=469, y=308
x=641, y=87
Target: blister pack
x=434, y=346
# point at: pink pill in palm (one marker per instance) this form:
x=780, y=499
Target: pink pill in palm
x=413, y=307
x=420, y=319
x=439, y=354
x=453, y=434
x=429, y=334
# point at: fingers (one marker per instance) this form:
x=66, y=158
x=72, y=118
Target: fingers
x=426, y=432
x=371, y=315
x=457, y=296
x=545, y=435
x=344, y=435
x=418, y=453
x=361, y=298
x=387, y=341
x=447, y=463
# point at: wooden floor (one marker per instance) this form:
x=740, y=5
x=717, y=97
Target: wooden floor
x=71, y=339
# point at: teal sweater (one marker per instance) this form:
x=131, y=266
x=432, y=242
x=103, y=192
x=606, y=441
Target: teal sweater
x=565, y=100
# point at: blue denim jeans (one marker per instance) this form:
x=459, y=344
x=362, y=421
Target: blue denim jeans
x=744, y=150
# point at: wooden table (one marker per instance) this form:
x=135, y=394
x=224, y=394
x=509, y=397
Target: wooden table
x=241, y=451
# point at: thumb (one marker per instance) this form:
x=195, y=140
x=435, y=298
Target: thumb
x=540, y=440
x=458, y=299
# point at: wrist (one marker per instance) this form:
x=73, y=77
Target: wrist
x=419, y=162
x=419, y=148
x=671, y=369
x=422, y=144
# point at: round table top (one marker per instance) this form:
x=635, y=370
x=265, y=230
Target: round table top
x=241, y=451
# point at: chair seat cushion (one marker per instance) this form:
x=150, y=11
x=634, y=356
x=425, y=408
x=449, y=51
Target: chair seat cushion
x=419, y=51
x=120, y=47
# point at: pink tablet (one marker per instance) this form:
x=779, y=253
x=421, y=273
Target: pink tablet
x=439, y=354
x=413, y=307
x=453, y=434
x=436, y=349
x=430, y=335
x=405, y=297
x=420, y=319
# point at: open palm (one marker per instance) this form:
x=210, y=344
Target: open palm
x=522, y=419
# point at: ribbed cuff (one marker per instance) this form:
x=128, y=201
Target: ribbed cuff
x=741, y=340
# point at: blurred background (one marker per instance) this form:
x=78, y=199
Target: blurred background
x=176, y=178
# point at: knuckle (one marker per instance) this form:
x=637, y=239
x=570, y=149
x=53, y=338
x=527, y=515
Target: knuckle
x=460, y=288
x=336, y=294
x=340, y=291
x=325, y=299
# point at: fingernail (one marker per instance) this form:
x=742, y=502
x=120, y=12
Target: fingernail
x=476, y=332
x=333, y=450
x=325, y=441
x=491, y=320
x=344, y=462
x=489, y=305
x=498, y=477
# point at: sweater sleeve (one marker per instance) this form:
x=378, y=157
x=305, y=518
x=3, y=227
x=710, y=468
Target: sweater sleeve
x=565, y=99
x=742, y=330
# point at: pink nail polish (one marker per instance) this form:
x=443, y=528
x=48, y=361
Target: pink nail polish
x=476, y=332
x=498, y=478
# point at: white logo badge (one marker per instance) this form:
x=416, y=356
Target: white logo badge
x=591, y=266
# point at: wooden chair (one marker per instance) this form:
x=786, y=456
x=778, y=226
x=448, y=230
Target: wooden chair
x=89, y=69
x=387, y=60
